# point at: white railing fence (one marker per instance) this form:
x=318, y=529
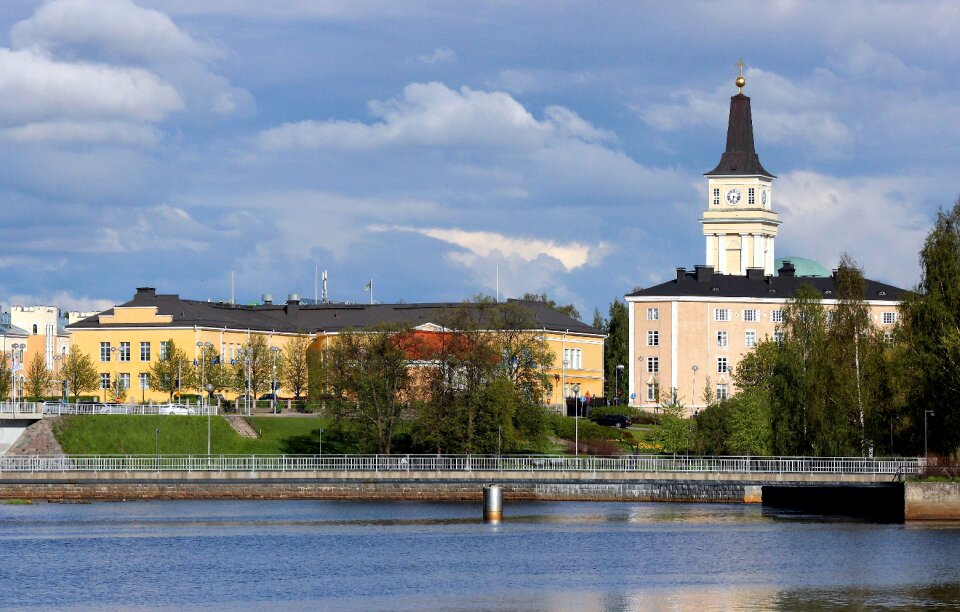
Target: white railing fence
x=12, y=409
x=460, y=464
x=60, y=408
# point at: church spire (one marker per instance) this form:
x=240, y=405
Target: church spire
x=740, y=157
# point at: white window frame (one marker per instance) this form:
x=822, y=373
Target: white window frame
x=104, y=352
x=721, y=314
x=144, y=380
x=105, y=380
x=145, y=350
x=750, y=338
x=722, y=392
x=776, y=316
x=716, y=196
x=651, y=392
x=164, y=348
x=889, y=318
x=124, y=380
x=722, y=339
x=888, y=338
x=778, y=335
x=653, y=314
x=723, y=365
x=751, y=315
x=123, y=352
x=653, y=365
x=653, y=337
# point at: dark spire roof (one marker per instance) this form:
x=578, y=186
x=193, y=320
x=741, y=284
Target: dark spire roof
x=740, y=158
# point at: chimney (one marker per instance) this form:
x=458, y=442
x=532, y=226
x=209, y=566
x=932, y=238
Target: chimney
x=755, y=273
x=704, y=274
x=293, y=305
x=145, y=293
x=681, y=273
x=267, y=299
x=787, y=270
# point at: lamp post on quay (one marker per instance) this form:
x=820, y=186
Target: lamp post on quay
x=616, y=392
x=116, y=374
x=576, y=420
x=926, y=413
x=273, y=379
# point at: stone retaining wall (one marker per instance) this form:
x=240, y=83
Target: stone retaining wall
x=128, y=489
x=931, y=501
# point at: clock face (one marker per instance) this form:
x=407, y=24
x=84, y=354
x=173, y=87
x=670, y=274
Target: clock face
x=733, y=197
x=763, y=197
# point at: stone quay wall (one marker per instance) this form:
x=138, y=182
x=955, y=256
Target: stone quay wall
x=931, y=501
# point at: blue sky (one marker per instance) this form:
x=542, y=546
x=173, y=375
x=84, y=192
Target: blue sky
x=171, y=142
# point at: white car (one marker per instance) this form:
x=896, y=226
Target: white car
x=174, y=409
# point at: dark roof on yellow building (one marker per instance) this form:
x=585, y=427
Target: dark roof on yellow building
x=293, y=317
x=703, y=282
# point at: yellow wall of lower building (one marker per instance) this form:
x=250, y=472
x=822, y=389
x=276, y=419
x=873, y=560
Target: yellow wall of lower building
x=584, y=369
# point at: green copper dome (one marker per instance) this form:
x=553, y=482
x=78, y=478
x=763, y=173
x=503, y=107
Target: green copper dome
x=804, y=266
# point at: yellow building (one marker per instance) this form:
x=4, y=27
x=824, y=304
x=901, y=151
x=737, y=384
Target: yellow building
x=697, y=327
x=127, y=339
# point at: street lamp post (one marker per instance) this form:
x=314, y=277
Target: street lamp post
x=926, y=413
x=321, y=442
x=116, y=374
x=693, y=391
x=156, y=447
x=576, y=420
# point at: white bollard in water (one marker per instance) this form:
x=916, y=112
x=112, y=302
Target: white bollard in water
x=492, y=504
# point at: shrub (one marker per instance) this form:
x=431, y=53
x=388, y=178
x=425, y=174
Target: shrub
x=594, y=447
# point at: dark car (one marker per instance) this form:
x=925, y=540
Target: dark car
x=613, y=420
x=269, y=396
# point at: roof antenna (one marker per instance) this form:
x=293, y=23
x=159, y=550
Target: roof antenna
x=233, y=298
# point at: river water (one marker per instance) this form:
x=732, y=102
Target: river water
x=237, y=555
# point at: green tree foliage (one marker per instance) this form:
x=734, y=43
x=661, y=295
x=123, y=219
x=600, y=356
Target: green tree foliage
x=930, y=334
x=371, y=380
x=485, y=376
x=296, y=366
x=172, y=372
x=676, y=431
x=616, y=350
x=79, y=372
x=749, y=424
x=38, y=377
x=570, y=310
x=254, y=367
x=210, y=370
x=5, y=378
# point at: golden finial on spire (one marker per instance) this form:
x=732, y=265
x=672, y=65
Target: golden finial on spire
x=740, y=80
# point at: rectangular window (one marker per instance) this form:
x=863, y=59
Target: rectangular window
x=722, y=339
x=888, y=338
x=124, y=352
x=124, y=380
x=164, y=347
x=750, y=315
x=104, y=351
x=889, y=318
x=653, y=314
x=653, y=365
x=778, y=336
x=144, y=380
x=651, y=392
x=716, y=197
x=144, y=351
x=653, y=337
x=751, y=196
x=750, y=339
x=721, y=392
x=721, y=365
x=776, y=316
x=104, y=380
x=721, y=314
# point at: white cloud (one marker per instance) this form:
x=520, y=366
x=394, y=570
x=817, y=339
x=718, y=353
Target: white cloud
x=878, y=220
x=483, y=244
x=114, y=132
x=34, y=87
x=438, y=56
x=433, y=114
x=119, y=29
x=540, y=81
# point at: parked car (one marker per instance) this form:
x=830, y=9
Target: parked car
x=174, y=409
x=613, y=420
x=269, y=397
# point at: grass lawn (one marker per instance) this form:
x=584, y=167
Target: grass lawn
x=186, y=435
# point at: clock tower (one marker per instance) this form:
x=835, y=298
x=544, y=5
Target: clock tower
x=739, y=223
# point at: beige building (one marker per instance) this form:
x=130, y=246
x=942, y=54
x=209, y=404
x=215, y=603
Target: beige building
x=697, y=327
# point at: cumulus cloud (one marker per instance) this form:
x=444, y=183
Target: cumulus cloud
x=112, y=132
x=435, y=115
x=878, y=220
x=118, y=29
x=483, y=244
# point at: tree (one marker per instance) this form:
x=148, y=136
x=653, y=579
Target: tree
x=570, y=310
x=616, y=349
x=5, y=378
x=172, y=372
x=79, y=372
x=213, y=372
x=117, y=391
x=255, y=367
x=38, y=377
x=296, y=367
x=369, y=374
x=749, y=424
x=676, y=432
x=930, y=332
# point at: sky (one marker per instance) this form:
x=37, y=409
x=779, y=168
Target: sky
x=425, y=145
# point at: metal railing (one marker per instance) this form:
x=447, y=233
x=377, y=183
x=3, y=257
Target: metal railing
x=459, y=464
x=12, y=409
x=60, y=408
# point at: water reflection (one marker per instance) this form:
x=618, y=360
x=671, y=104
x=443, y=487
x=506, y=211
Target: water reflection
x=412, y=556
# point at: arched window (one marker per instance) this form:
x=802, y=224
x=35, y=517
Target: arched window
x=34, y=329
